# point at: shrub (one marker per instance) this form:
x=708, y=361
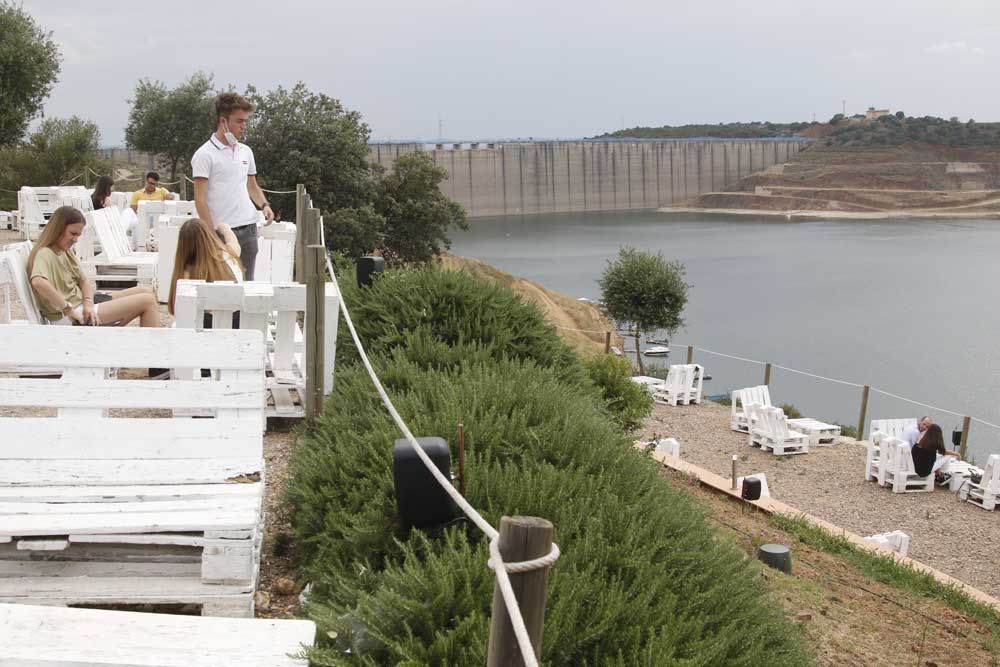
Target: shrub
x=791, y=411
x=628, y=402
x=642, y=579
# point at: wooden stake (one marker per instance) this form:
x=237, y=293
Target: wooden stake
x=735, y=459
x=963, y=448
x=767, y=373
x=521, y=538
x=864, y=412
x=315, y=278
x=690, y=354
x=461, y=459
x=300, y=233
x=184, y=187
x=607, y=342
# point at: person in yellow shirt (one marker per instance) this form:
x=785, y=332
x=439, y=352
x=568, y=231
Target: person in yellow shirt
x=152, y=191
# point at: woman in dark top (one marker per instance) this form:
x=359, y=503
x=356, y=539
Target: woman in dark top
x=926, y=451
x=102, y=193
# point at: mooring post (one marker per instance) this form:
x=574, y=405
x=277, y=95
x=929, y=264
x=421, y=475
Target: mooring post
x=863, y=413
x=522, y=538
x=767, y=373
x=963, y=448
x=690, y=354
x=607, y=342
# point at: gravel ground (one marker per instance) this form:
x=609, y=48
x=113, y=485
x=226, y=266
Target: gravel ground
x=952, y=536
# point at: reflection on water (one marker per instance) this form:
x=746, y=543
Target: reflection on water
x=906, y=306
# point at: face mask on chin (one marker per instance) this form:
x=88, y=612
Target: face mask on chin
x=230, y=137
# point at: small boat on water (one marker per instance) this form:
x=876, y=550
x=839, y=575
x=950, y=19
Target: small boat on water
x=658, y=341
x=657, y=351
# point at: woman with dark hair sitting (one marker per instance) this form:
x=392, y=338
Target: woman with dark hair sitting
x=927, y=449
x=102, y=193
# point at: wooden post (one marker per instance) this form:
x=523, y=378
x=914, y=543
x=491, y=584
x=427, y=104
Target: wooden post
x=767, y=373
x=184, y=186
x=461, y=459
x=863, y=413
x=315, y=279
x=86, y=177
x=607, y=342
x=300, y=233
x=735, y=459
x=690, y=354
x=963, y=448
x=521, y=538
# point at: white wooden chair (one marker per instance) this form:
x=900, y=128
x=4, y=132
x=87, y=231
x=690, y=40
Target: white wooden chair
x=896, y=540
x=882, y=429
x=129, y=509
x=57, y=637
x=116, y=261
x=648, y=382
x=272, y=309
x=121, y=200
x=986, y=493
x=14, y=284
x=149, y=212
x=770, y=432
x=683, y=385
x=31, y=218
x=276, y=253
x=739, y=399
x=897, y=470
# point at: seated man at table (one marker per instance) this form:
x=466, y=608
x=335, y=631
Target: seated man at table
x=912, y=434
x=929, y=453
x=151, y=191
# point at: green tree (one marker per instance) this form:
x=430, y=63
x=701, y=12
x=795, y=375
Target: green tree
x=644, y=292
x=29, y=65
x=417, y=214
x=59, y=150
x=171, y=123
x=303, y=137
x=836, y=119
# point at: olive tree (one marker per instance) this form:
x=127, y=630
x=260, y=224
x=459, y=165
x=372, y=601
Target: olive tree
x=644, y=292
x=29, y=64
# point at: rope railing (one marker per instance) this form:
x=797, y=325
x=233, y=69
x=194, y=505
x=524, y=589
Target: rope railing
x=75, y=178
x=495, y=562
x=278, y=192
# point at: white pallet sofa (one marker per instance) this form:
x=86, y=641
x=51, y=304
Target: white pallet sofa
x=116, y=261
x=739, y=420
x=31, y=217
x=121, y=200
x=896, y=540
x=56, y=637
x=6, y=220
x=683, y=385
x=896, y=469
x=770, y=432
x=14, y=285
x=131, y=510
x=987, y=492
x=879, y=430
x=149, y=213
x=272, y=309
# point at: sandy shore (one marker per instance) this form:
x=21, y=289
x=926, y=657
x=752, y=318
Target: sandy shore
x=946, y=533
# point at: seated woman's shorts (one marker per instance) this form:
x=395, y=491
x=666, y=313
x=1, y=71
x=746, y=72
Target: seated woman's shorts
x=99, y=298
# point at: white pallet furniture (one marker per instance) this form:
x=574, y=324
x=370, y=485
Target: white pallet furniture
x=83, y=202
x=897, y=470
x=151, y=211
x=132, y=509
x=6, y=220
x=668, y=446
x=820, y=433
x=739, y=420
x=896, y=540
x=647, y=382
x=55, y=637
x=165, y=232
x=770, y=432
x=880, y=430
x=986, y=493
x=682, y=387
x=116, y=261
x=31, y=217
x=121, y=200
x=14, y=284
x=275, y=253
x=272, y=309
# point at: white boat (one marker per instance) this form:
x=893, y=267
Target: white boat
x=657, y=351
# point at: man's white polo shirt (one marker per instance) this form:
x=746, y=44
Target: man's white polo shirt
x=226, y=170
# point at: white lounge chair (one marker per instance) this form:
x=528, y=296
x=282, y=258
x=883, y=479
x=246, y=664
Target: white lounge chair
x=896, y=469
x=683, y=385
x=141, y=510
x=116, y=261
x=31, y=217
x=57, y=637
x=880, y=430
x=770, y=432
x=896, y=540
x=14, y=283
x=740, y=399
x=986, y=493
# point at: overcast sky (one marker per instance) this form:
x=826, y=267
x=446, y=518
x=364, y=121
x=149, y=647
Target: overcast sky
x=541, y=69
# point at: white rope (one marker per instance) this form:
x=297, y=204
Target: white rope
x=818, y=377
x=580, y=330
x=985, y=423
x=721, y=354
x=77, y=177
x=503, y=581
x=279, y=192
x=910, y=400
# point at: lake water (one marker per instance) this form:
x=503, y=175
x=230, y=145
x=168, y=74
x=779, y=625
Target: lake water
x=909, y=307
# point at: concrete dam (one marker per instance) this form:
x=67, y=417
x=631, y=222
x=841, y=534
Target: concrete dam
x=563, y=176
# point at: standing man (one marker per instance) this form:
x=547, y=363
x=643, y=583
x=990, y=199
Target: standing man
x=151, y=192
x=225, y=178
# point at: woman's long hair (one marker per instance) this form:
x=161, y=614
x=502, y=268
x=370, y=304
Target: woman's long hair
x=61, y=218
x=101, y=191
x=201, y=254
x=933, y=438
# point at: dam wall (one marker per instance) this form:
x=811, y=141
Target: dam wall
x=563, y=176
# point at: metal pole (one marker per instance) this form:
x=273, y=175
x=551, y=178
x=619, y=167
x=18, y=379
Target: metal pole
x=864, y=412
x=962, y=448
x=521, y=538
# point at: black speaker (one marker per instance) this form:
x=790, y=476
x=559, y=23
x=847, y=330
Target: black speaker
x=420, y=499
x=751, y=488
x=956, y=438
x=368, y=267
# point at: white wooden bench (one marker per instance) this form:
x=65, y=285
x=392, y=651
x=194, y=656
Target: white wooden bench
x=121, y=200
x=53, y=637
x=116, y=262
x=131, y=509
x=275, y=253
x=31, y=217
x=6, y=220
x=896, y=469
x=151, y=211
x=882, y=429
x=272, y=309
x=820, y=433
x=739, y=420
x=770, y=432
x=986, y=493
x=14, y=285
x=682, y=386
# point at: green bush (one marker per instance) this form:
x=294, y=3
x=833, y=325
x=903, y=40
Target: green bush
x=642, y=579
x=791, y=411
x=627, y=402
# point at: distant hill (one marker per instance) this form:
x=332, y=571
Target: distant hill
x=754, y=130
x=896, y=130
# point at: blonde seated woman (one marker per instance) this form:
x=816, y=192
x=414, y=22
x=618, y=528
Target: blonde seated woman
x=206, y=254
x=64, y=294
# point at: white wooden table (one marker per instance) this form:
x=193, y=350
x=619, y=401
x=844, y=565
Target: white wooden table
x=819, y=432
